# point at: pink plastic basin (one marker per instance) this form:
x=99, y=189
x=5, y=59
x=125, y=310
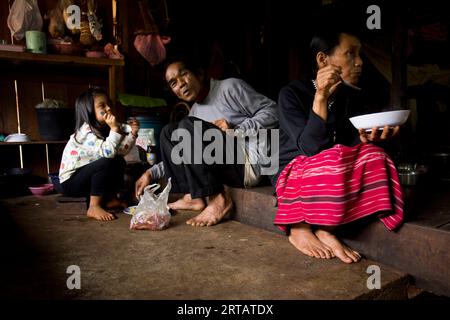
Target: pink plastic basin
x=41, y=189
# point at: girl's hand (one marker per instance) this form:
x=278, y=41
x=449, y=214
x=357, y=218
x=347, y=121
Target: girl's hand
x=327, y=80
x=378, y=135
x=110, y=120
x=134, y=123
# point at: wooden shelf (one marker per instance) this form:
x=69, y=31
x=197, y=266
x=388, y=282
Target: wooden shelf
x=113, y=66
x=60, y=59
x=31, y=143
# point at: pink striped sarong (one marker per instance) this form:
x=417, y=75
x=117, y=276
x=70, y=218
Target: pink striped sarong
x=340, y=185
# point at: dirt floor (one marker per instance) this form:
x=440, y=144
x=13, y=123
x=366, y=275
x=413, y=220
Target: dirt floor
x=41, y=238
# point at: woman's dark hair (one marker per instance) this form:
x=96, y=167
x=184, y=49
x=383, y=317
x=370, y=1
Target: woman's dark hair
x=326, y=41
x=85, y=112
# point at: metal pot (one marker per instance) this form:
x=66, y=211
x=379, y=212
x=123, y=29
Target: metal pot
x=410, y=178
x=411, y=174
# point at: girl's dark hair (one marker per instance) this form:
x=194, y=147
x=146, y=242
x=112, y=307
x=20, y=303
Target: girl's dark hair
x=85, y=112
x=326, y=41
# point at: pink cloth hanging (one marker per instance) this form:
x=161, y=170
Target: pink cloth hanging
x=151, y=47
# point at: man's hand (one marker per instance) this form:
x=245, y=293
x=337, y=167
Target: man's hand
x=378, y=135
x=142, y=182
x=222, y=124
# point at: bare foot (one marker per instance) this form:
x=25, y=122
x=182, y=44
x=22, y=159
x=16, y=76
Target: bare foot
x=304, y=240
x=187, y=203
x=99, y=213
x=116, y=203
x=346, y=254
x=219, y=205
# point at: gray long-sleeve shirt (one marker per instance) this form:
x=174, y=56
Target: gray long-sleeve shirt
x=243, y=108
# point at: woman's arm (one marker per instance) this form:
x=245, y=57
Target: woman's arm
x=307, y=129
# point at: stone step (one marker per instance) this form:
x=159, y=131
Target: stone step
x=231, y=260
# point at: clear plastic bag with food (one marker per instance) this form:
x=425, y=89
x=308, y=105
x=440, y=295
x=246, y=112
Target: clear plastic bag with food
x=152, y=212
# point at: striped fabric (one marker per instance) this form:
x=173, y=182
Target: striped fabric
x=340, y=185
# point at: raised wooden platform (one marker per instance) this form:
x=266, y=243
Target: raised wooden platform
x=419, y=248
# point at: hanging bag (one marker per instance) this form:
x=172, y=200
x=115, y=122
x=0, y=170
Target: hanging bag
x=24, y=15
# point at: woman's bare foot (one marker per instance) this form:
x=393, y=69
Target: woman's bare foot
x=99, y=213
x=219, y=205
x=340, y=250
x=187, y=203
x=304, y=240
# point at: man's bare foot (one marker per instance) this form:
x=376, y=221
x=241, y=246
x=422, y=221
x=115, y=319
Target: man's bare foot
x=340, y=250
x=116, y=203
x=187, y=203
x=304, y=240
x=99, y=213
x=219, y=205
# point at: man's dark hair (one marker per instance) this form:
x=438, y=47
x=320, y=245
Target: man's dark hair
x=189, y=63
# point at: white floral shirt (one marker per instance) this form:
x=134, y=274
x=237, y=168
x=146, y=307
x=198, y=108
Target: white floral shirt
x=88, y=148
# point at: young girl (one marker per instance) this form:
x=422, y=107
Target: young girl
x=92, y=164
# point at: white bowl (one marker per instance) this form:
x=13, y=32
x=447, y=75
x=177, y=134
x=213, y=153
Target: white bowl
x=17, y=137
x=380, y=119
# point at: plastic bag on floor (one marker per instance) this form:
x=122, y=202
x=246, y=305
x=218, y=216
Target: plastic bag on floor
x=152, y=212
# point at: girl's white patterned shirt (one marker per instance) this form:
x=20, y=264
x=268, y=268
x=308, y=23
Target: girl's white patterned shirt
x=87, y=148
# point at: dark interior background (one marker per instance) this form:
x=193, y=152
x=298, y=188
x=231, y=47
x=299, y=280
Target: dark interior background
x=266, y=43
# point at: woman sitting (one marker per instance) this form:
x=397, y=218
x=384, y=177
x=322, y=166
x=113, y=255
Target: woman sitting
x=330, y=173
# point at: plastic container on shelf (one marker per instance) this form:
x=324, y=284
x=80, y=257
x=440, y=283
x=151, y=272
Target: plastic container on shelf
x=55, y=123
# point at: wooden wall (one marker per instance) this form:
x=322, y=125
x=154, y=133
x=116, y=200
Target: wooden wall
x=59, y=82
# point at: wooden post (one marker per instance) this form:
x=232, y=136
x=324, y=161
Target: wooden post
x=399, y=65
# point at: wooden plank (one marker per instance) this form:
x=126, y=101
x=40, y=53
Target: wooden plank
x=56, y=90
x=4, y=30
x=427, y=206
x=8, y=117
x=31, y=142
x=60, y=59
x=51, y=73
x=34, y=156
x=398, y=65
x=54, y=155
x=9, y=157
x=30, y=94
x=34, y=159
x=417, y=250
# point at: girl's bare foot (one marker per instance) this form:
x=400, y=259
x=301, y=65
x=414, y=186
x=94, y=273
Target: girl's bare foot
x=340, y=250
x=304, y=240
x=219, y=205
x=187, y=203
x=98, y=213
